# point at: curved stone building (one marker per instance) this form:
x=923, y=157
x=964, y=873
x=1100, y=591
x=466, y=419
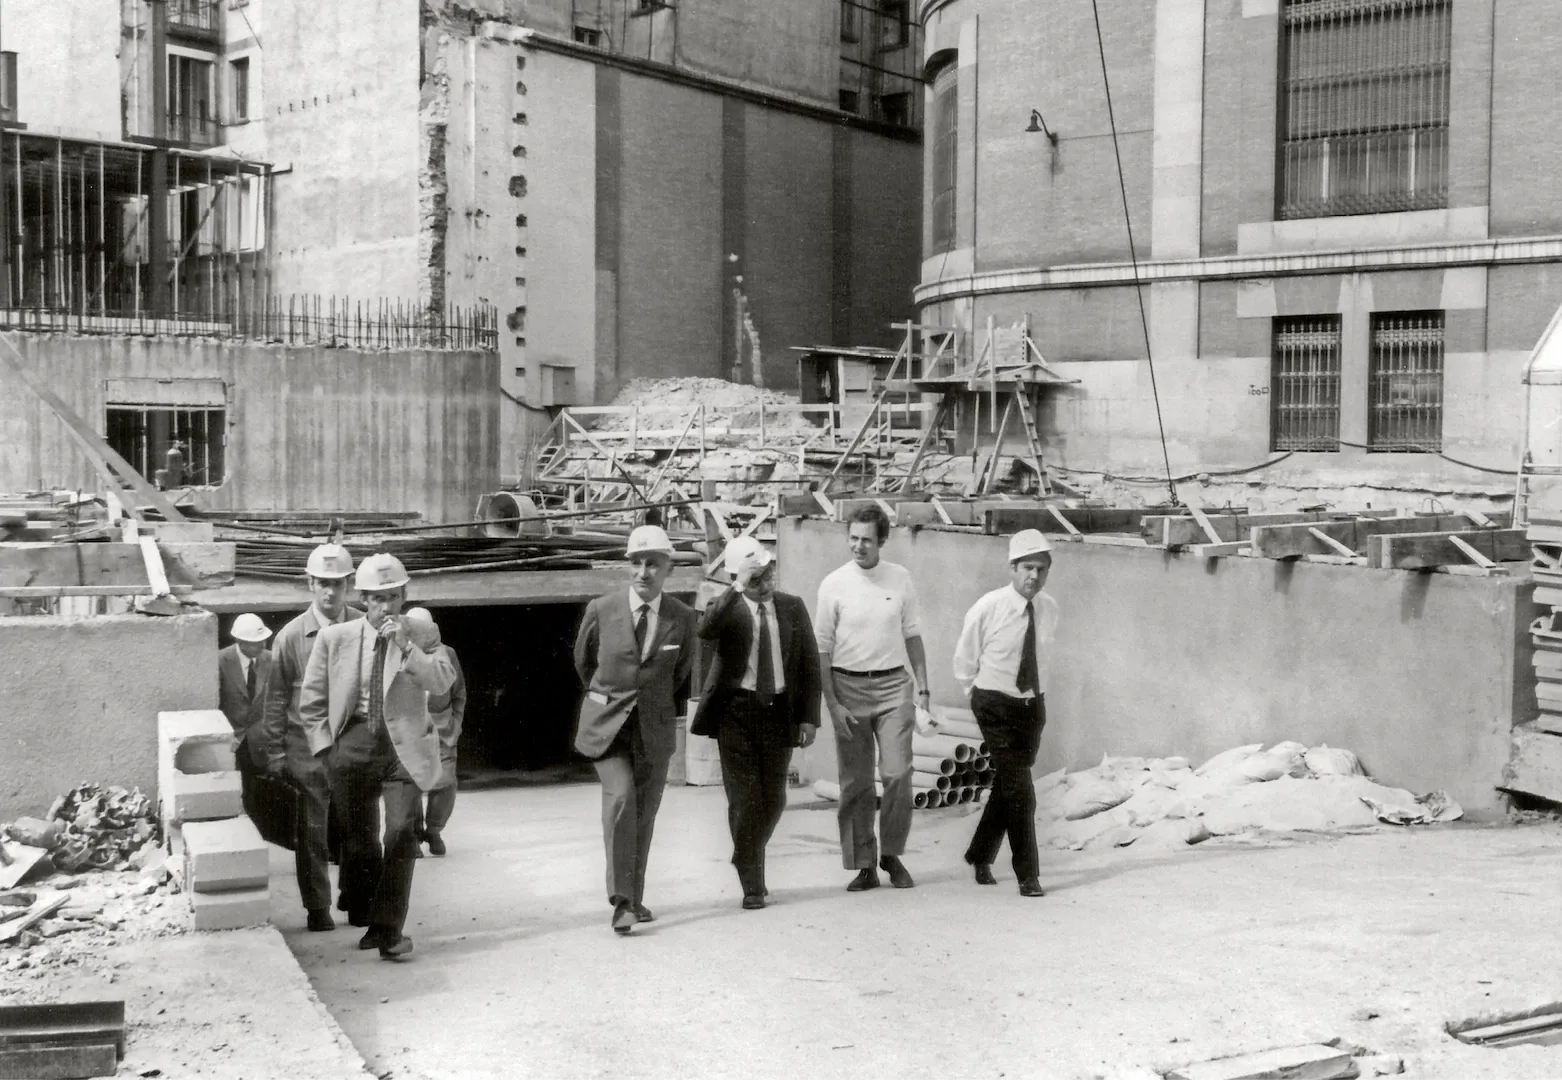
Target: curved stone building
x=1345, y=216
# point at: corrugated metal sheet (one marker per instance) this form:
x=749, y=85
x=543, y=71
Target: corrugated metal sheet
x=308, y=428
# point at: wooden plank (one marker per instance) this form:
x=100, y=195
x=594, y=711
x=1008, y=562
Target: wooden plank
x=1422, y=550
x=1177, y=530
x=59, y=1062
x=1204, y=526
x=49, y=592
x=1470, y=553
x=798, y=504
x=944, y=514
x=1068, y=526
x=1291, y=541
x=199, y=564
x=1235, y=547
x=45, y=904
x=846, y=506
x=1315, y=1061
x=1535, y=765
x=1330, y=542
x=824, y=503
x=63, y=1022
x=999, y=520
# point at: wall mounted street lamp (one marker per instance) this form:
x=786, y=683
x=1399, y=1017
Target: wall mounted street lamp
x=1038, y=124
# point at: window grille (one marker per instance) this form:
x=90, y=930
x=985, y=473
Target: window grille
x=1405, y=402
x=1364, y=106
x=1305, y=384
x=143, y=435
x=946, y=101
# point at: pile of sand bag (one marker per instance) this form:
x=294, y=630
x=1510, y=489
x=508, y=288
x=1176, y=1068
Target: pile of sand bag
x=1162, y=801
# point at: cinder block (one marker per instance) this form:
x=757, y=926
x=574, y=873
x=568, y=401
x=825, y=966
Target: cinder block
x=200, y=796
x=231, y=910
x=225, y=856
x=196, y=777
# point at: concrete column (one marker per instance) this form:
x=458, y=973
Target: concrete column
x=1356, y=305
x=1178, y=145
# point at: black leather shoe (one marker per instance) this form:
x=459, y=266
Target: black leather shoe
x=899, y=876
x=984, y=873
x=436, y=844
x=867, y=878
x=624, y=917
x=373, y=938
x=1031, y=887
x=320, y=920
x=753, y=902
x=395, y=948
x=644, y=914
x=357, y=918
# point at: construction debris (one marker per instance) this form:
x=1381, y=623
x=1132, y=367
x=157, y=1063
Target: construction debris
x=1287, y=788
x=91, y=828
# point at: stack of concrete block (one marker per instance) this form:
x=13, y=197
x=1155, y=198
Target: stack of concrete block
x=224, y=860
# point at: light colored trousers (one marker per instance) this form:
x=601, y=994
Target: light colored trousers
x=882, y=713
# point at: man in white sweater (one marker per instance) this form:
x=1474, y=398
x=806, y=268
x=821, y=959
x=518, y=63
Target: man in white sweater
x=867, y=629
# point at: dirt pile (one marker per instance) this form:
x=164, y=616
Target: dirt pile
x=1163, y=801
x=668, y=403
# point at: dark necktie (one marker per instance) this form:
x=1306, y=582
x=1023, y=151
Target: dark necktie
x=249, y=682
x=765, y=664
x=1028, y=680
x=377, y=687
x=640, y=628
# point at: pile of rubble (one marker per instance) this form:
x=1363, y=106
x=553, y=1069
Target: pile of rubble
x=726, y=404
x=1162, y=801
x=90, y=874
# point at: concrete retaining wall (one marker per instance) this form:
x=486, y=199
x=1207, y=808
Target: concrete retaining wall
x=1169, y=654
x=79, y=699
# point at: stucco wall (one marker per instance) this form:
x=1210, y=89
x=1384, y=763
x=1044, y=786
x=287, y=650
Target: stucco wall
x=68, y=74
x=308, y=428
x=79, y=699
x=1171, y=654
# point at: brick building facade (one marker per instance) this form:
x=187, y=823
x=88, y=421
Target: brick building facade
x=1344, y=216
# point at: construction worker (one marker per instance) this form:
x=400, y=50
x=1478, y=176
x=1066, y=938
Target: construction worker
x=243, y=677
x=287, y=747
x=634, y=654
x=447, y=710
x=1001, y=661
x=364, y=708
x=866, y=623
x=761, y=698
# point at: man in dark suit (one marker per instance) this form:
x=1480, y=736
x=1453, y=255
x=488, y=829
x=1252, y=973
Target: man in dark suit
x=761, y=698
x=635, y=655
x=243, y=674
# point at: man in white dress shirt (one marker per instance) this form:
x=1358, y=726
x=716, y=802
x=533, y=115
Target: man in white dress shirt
x=1002, y=661
x=868, y=631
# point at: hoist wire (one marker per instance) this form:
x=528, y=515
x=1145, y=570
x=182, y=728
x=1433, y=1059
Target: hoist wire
x=1133, y=257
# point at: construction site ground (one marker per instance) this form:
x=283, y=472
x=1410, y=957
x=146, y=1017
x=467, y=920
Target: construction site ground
x=1136, y=960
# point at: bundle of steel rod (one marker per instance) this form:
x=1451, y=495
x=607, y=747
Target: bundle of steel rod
x=275, y=557
x=41, y=516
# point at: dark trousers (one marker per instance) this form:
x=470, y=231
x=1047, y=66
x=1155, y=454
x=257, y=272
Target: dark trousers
x=376, y=882
x=755, y=744
x=441, y=800
x=1012, y=729
x=311, y=806
x=633, y=779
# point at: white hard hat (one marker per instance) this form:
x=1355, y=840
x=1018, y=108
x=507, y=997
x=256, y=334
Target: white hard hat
x=1027, y=542
x=330, y=561
x=747, y=553
x=380, y=572
x=248, y=627
x=649, y=540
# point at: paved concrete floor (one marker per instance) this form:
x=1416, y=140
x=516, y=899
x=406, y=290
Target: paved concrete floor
x=1133, y=960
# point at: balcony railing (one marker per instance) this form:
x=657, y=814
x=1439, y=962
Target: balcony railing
x=194, y=129
x=200, y=19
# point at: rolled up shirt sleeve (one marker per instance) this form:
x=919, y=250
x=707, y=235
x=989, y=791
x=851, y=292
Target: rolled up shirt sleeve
x=968, y=650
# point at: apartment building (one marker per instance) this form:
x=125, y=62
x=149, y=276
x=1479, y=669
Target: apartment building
x=1345, y=222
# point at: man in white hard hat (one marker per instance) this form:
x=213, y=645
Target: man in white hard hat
x=1001, y=661
x=634, y=654
x=869, y=635
x=364, y=707
x=447, y=710
x=761, y=699
x=243, y=677
x=328, y=568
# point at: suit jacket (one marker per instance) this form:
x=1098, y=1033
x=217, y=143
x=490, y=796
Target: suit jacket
x=329, y=695
x=448, y=710
x=290, y=656
x=245, y=713
x=617, y=682
x=729, y=626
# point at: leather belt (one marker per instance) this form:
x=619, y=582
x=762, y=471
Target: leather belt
x=869, y=674
x=762, y=700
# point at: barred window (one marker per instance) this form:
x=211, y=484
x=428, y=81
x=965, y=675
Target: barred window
x=946, y=101
x=1305, y=384
x=1405, y=403
x=1364, y=106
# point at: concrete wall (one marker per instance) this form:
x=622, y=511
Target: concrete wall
x=1158, y=654
x=68, y=72
x=344, y=123
x=82, y=697
x=308, y=428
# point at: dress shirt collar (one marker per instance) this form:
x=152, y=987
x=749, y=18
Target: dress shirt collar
x=1017, y=599
x=636, y=603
